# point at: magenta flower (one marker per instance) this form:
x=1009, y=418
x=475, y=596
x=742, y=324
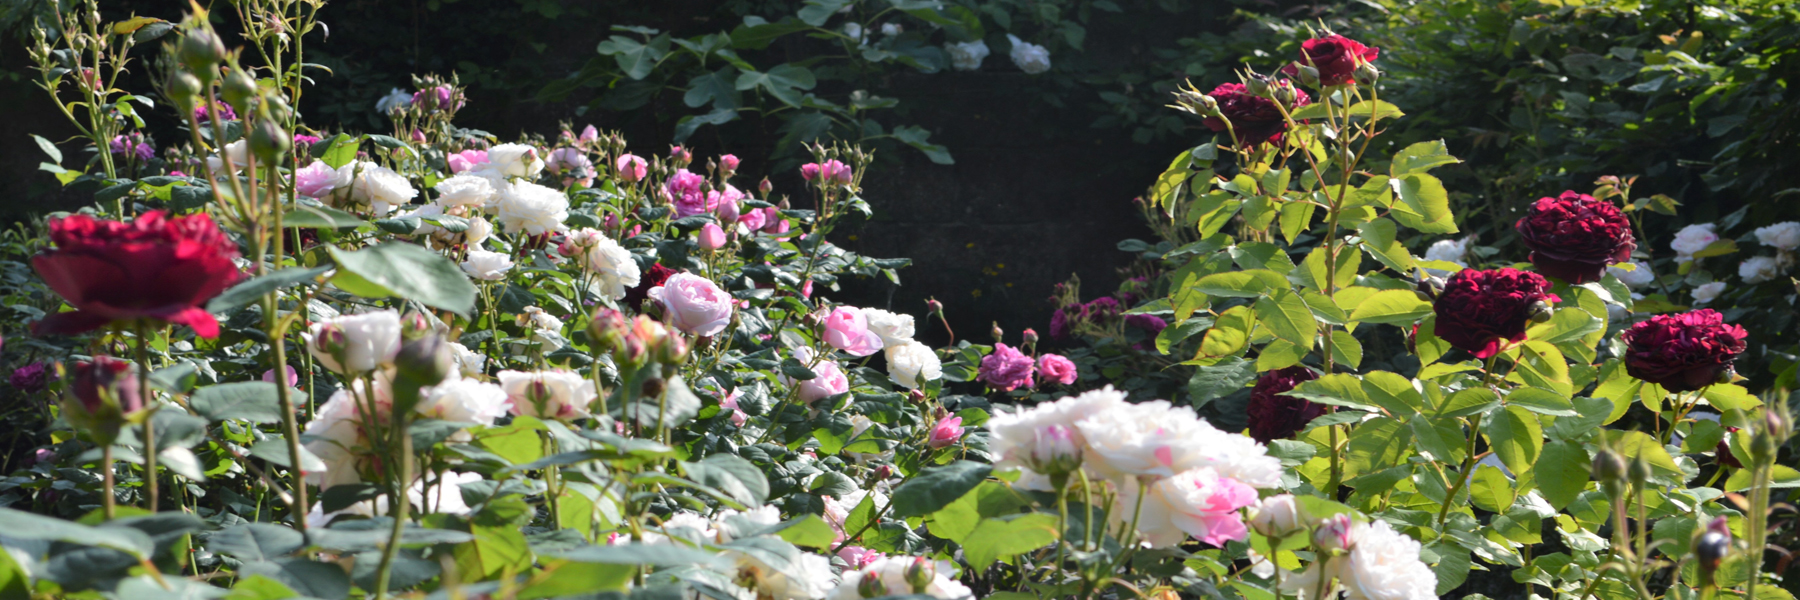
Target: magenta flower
x=1006, y=369
x=1054, y=367
x=946, y=432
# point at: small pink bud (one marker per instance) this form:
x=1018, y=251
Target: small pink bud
x=712, y=237
x=589, y=134
x=729, y=162
x=946, y=433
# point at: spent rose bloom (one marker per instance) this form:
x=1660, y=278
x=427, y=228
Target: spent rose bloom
x=1759, y=269
x=848, y=330
x=553, y=394
x=1784, y=236
x=1057, y=368
x=153, y=267
x=1573, y=237
x=694, y=304
x=911, y=364
x=1479, y=311
x=1336, y=57
x=967, y=56
x=1274, y=416
x=1031, y=58
x=1639, y=276
x=1196, y=503
x=1254, y=119
x=1006, y=369
x=1708, y=292
x=355, y=344
x=1692, y=239
x=946, y=432
x=487, y=266
x=1683, y=352
x=828, y=378
x=532, y=208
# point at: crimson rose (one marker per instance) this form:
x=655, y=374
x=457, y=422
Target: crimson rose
x=1480, y=310
x=655, y=276
x=154, y=267
x=1573, y=236
x=1274, y=416
x=1335, y=56
x=1255, y=119
x=1683, y=352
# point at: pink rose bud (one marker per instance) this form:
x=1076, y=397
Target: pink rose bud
x=681, y=155
x=946, y=432
x=728, y=210
x=712, y=237
x=884, y=472
x=293, y=377
x=730, y=162
x=1332, y=533
x=809, y=171
x=632, y=169
x=589, y=134
x=933, y=306
x=765, y=187
x=418, y=137
x=1031, y=336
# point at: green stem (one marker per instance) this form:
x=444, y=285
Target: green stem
x=397, y=497
x=143, y=361
x=107, y=501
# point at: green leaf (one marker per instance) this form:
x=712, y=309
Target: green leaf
x=1780, y=477
x=252, y=290
x=1396, y=307
x=1336, y=389
x=1375, y=110
x=1295, y=218
x=817, y=12
x=784, y=82
x=1562, y=473
x=254, y=401
x=337, y=150
x=1345, y=350
x=956, y=520
x=29, y=526
x=999, y=538
x=1516, y=438
x=407, y=271
x=1173, y=179
x=1213, y=381
x=1541, y=401
x=49, y=148
x=1375, y=445
x=918, y=138
x=735, y=476
x=1634, y=445
x=1229, y=335
x=1242, y=284
x=658, y=555
x=933, y=489
x=252, y=542
x=636, y=58
x=320, y=217
x=1421, y=157
x=1285, y=314
x=1490, y=490
x=1424, y=204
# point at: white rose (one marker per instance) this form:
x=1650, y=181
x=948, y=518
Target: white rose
x=891, y=572
x=733, y=524
x=1384, y=564
x=335, y=433
x=237, y=151
x=464, y=400
x=364, y=342
x=487, y=266
x=967, y=56
x=394, y=100
x=478, y=231
x=1694, y=238
x=1277, y=516
x=1759, y=269
x=895, y=329
x=532, y=208
x=1784, y=236
x=1636, y=278
x=912, y=364
x=464, y=190
x=1016, y=437
x=855, y=32
x=554, y=394
x=614, y=266
x=468, y=362
x=1448, y=251
x=382, y=189
x=808, y=577
x=1196, y=503
x=1155, y=438
x=1709, y=292
x=516, y=160
x=1031, y=58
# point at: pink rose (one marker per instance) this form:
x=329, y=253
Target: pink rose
x=947, y=431
x=847, y=329
x=293, y=377
x=828, y=378
x=753, y=220
x=693, y=304
x=717, y=200
x=687, y=190
x=809, y=171
x=858, y=557
x=730, y=402
x=729, y=212
x=467, y=159
x=632, y=169
x=315, y=180
x=1053, y=367
x=730, y=162
x=712, y=237
x=1006, y=369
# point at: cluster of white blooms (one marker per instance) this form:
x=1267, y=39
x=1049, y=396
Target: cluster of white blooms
x=1193, y=477
x=1376, y=563
x=1784, y=237
x=615, y=271
x=901, y=576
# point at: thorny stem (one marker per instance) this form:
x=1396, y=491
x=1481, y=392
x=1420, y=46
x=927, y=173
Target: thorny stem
x=143, y=362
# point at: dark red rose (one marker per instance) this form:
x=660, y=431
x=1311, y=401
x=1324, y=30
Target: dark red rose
x=1335, y=56
x=105, y=378
x=1277, y=417
x=1479, y=311
x=634, y=297
x=151, y=268
x=1683, y=352
x=1255, y=119
x=1573, y=236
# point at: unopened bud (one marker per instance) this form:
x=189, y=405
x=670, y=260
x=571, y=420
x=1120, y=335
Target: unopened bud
x=607, y=329
x=1367, y=73
x=182, y=87
x=1332, y=534
x=883, y=472
x=920, y=574
x=674, y=350
x=915, y=395
x=200, y=51
x=870, y=586
x=1541, y=311
x=1713, y=545
x=1257, y=85
x=1608, y=467
x=1031, y=336
x=765, y=187
x=1308, y=75
x=933, y=306
x=1285, y=94
x=999, y=334
x=1639, y=470
x=240, y=91
x=654, y=387
x=269, y=142
x=331, y=340
x=425, y=361
x=414, y=326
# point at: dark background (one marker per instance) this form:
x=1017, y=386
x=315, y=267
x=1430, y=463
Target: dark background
x=1036, y=194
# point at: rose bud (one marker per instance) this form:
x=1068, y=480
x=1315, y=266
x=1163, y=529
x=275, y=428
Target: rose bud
x=1608, y=466
x=920, y=574
x=1277, y=517
x=1713, y=545
x=1273, y=415
x=182, y=88
x=1542, y=312
x=1480, y=311
x=765, y=187
x=239, y=90
x=106, y=382
x=1332, y=534
x=915, y=396
x=673, y=351
x=269, y=142
x=870, y=585
x=1308, y=75
x=200, y=50
x=1638, y=471
x=1367, y=73
x=607, y=328
x=414, y=326
x=999, y=334
x=653, y=387
x=883, y=472
x=1573, y=237
x=946, y=433
x=729, y=162
x=425, y=361
x=711, y=237
x=1683, y=352
x=1054, y=451
x=1256, y=85
x=933, y=306
x=1336, y=57
x=1030, y=336
x=1286, y=94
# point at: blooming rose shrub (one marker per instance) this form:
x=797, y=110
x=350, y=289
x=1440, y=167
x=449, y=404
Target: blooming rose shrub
x=562, y=369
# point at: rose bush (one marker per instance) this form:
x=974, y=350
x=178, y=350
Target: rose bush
x=513, y=373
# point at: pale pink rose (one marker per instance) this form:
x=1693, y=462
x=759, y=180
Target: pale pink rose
x=729, y=213
x=1054, y=367
x=316, y=180
x=847, y=329
x=1198, y=503
x=858, y=557
x=589, y=134
x=753, y=220
x=693, y=304
x=828, y=380
x=729, y=162
x=467, y=159
x=632, y=169
x=730, y=402
x=712, y=237
x=293, y=377
x=948, y=430
x=716, y=200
